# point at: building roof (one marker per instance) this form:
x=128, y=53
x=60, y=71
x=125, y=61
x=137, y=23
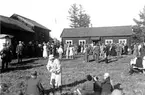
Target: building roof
x=28, y=21
x=14, y=24
x=97, y=31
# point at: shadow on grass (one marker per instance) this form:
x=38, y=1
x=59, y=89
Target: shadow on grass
x=75, y=83
x=24, y=62
x=21, y=68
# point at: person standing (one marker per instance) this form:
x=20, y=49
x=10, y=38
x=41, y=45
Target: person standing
x=34, y=86
x=54, y=67
x=67, y=51
x=86, y=54
x=96, y=53
x=19, y=51
x=71, y=52
x=5, y=56
x=60, y=51
x=106, y=50
x=45, y=55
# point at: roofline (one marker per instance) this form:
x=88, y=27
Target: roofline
x=100, y=27
x=99, y=36
x=30, y=30
x=31, y=20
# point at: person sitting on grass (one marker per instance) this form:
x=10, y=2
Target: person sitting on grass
x=107, y=86
x=88, y=87
x=34, y=86
x=137, y=64
x=97, y=86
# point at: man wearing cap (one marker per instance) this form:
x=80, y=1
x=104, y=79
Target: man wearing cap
x=34, y=86
x=54, y=67
x=19, y=51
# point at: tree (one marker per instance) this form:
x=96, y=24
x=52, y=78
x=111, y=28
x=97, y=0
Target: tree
x=139, y=28
x=78, y=17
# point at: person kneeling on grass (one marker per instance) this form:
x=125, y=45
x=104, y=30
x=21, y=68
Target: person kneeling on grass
x=34, y=86
x=137, y=64
x=87, y=88
x=107, y=86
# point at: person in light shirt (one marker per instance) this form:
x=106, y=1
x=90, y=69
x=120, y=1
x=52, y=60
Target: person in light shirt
x=54, y=67
x=60, y=51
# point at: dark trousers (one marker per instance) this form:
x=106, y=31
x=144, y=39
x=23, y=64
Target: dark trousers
x=96, y=56
x=86, y=57
x=19, y=57
x=106, y=59
x=4, y=64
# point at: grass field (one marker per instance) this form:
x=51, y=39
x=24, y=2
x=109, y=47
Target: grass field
x=73, y=75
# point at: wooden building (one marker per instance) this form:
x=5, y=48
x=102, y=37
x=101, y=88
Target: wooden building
x=41, y=32
x=115, y=34
x=24, y=29
x=16, y=29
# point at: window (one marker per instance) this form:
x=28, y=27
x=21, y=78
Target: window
x=69, y=42
x=108, y=41
x=122, y=41
x=82, y=42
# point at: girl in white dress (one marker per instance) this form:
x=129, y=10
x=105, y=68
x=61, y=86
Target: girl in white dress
x=67, y=51
x=54, y=67
x=45, y=55
x=71, y=53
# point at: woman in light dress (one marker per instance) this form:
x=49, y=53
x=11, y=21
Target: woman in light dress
x=54, y=67
x=67, y=51
x=60, y=51
x=71, y=53
x=45, y=54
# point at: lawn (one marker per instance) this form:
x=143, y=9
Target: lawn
x=73, y=74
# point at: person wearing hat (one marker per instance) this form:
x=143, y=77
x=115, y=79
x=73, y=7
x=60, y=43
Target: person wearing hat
x=19, y=51
x=34, y=86
x=54, y=67
x=5, y=57
x=107, y=86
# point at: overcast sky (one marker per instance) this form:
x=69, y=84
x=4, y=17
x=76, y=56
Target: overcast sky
x=53, y=14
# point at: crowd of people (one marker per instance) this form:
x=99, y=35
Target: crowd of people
x=55, y=53
x=22, y=50
x=99, y=51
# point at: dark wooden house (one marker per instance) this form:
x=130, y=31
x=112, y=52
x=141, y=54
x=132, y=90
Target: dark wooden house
x=114, y=34
x=41, y=32
x=15, y=28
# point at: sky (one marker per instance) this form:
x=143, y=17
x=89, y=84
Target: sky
x=53, y=14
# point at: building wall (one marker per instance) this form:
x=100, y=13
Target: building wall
x=117, y=38
x=75, y=40
x=41, y=35
x=88, y=40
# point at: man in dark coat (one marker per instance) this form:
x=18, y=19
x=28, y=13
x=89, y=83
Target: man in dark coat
x=126, y=49
x=96, y=53
x=107, y=87
x=19, y=51
x=5, y=56
x=86, y=55
x=34, y=86
x=106, y=50
x=97, y=86
x=142, y=51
